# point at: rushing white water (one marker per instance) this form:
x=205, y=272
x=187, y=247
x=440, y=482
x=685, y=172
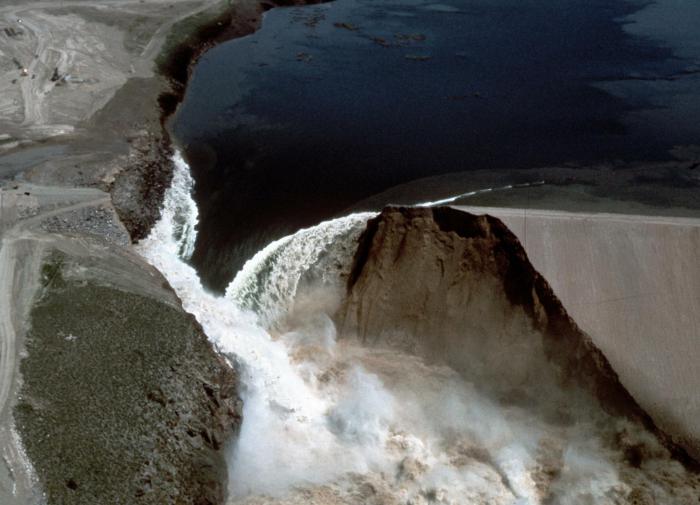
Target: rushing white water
x=286, y=436
x=453, y=199
x=175, y=232
x=269, y=281
x=327, y=421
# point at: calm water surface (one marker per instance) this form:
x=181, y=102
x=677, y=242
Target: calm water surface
x=327, y=105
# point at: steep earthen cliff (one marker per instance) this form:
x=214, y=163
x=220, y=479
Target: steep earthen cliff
x=458, y=288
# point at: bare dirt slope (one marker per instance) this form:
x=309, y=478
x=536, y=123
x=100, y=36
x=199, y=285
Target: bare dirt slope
x=458, y=289
x=62, y=61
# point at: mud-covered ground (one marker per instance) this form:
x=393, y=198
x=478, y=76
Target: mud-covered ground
x=64, y=61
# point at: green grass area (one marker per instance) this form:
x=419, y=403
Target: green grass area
x=52, y=270
x=119, y=398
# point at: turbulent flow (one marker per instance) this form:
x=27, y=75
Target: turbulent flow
x=327, y=421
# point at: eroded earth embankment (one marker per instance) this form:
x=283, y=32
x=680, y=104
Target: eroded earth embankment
x=438, y=280
x=451, y=374
x=456, y=375
x=458, y=289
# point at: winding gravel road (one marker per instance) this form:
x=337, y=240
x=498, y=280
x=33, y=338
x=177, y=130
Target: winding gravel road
x=52, y=36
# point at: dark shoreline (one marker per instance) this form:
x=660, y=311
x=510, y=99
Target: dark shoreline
x=140, y=188
x=240, y=21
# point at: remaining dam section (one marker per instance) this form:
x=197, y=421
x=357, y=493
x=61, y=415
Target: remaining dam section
x=328, y=104
x=332, y=419
x=633, y=284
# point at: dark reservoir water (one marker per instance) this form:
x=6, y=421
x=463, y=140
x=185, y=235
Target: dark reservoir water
x=328, y=105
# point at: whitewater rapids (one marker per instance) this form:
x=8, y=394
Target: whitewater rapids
x=327, y=421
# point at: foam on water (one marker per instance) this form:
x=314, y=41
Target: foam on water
x=175, y=232
x=327, y=421
x=286, y=421
x=269, y=281
x=453, y=199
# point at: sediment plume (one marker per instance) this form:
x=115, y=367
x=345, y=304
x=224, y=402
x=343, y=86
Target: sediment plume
x=466, y=281
x=433, y=365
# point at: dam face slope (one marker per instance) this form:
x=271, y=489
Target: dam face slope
x=446, y=370
x=633, y=284
x=458, y=289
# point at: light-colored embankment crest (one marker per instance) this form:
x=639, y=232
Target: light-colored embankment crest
x=458, y=376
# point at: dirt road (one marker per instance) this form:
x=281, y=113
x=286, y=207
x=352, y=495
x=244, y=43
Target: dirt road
x=60, y=62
